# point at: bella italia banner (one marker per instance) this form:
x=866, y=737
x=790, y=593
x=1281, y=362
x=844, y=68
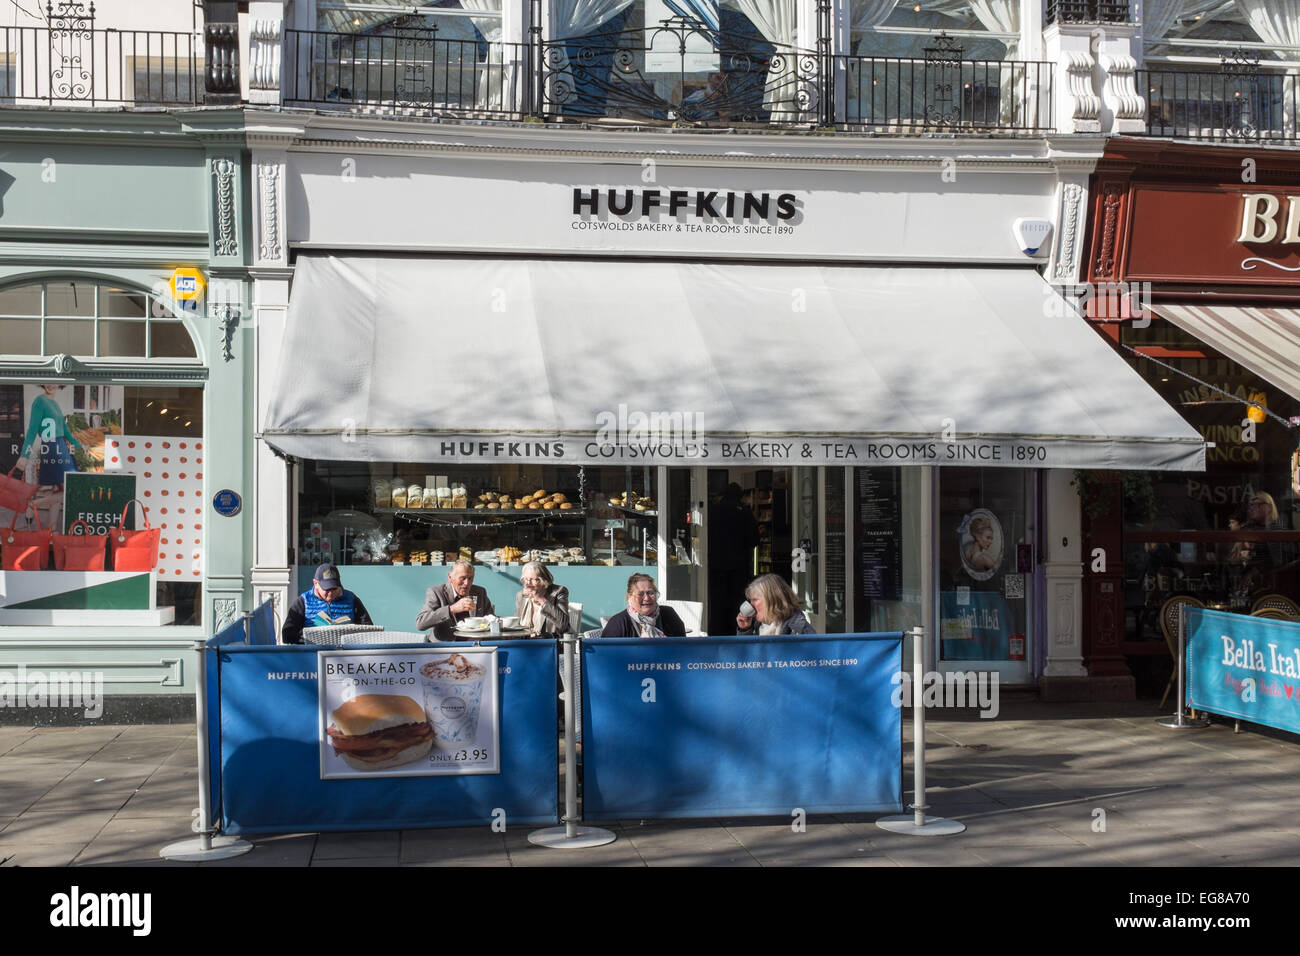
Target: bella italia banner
x=1247, y=667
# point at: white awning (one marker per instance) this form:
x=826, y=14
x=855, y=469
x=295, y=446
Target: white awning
x=559, y=361
x=1266, y=341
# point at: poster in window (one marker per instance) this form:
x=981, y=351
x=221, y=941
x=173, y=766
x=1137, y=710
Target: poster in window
x=980, y=544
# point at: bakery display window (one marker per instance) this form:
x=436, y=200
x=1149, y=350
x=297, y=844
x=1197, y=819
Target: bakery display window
x=361, y=513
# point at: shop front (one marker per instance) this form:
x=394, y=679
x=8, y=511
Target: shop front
x=1193, y=265
x=636, y=355
x=121, y=410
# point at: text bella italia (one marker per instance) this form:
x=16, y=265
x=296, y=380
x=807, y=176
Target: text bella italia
x=701, y=204
x=1245, y=655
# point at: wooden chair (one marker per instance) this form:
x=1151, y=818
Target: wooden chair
x=1169, y=612
x=1272, y=614
x=1287, y=608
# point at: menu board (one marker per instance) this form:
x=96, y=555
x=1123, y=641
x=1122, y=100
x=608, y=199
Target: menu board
x=880, y=533
x=408, y=713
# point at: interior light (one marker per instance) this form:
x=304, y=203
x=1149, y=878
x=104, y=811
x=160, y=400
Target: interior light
x=187, y=424
x=147, y=404
x=917, y=8
x=163, y=412
x=356, y=21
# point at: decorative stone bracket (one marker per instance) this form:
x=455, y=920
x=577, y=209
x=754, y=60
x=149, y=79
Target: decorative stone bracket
x=1128, y=105
x=1086, y=114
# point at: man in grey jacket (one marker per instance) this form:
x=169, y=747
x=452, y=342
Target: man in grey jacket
x=445, y=605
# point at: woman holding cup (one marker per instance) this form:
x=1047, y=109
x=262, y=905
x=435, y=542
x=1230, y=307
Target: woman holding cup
x=775, y=609
x=542, y=606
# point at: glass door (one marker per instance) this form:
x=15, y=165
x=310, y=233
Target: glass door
x=984, y=551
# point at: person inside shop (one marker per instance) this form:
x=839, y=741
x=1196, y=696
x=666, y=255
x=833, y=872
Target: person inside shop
x=1257, y=557
x=326, y=603
x=776, y=609
x=446, y=605
x=643, y=616
x=542, y=606
x=733, y=535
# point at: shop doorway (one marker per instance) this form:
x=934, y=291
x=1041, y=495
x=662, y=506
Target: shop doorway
x=750, y=531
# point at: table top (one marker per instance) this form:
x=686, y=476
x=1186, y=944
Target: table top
x=511, y=632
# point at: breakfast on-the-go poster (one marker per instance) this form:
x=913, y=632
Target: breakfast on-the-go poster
x=408, y=713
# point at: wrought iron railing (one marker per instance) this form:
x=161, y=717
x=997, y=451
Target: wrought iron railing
x=1087, y=11
x=1225, y=105
x=889, y=94
x=407, y=69
x=71, y=62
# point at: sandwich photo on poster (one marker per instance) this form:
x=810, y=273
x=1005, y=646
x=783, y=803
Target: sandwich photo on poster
x=408, y=713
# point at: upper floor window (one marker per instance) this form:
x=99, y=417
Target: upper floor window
x=1212, y=29
x=90, y=320
x=974, y=29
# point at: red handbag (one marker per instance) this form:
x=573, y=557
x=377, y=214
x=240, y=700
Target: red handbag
x=25, y=550
x=78, y=552
x=15, y=493
x=134, y=550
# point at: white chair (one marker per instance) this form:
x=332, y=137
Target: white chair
x=575, y=617
x=690, y=612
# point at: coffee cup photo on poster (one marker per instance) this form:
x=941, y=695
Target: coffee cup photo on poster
x=408, y=713
x=980, y=544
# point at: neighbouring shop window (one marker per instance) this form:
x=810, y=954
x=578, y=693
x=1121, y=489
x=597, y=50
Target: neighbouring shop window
x=985, y=563
x=431, y=514
x=84, y=450
x=1249, y=485
x=89, y=320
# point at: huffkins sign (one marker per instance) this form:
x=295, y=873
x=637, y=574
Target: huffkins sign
x=704, y=211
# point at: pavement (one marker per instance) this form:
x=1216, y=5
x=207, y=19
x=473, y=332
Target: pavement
x=1042, y=784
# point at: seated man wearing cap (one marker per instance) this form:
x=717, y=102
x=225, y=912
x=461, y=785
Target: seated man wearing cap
x=325, y=603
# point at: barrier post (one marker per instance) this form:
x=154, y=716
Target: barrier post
x=207, y=846
x=571, y=836
x=1178, y=721
x=918, y=824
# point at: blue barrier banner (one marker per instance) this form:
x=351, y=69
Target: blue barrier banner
x=1242, y=666
x=699, y=727
x=263, y=624
x=270, y=751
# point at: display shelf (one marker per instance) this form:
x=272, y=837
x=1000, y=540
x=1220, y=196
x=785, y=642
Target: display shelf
x=484, y=512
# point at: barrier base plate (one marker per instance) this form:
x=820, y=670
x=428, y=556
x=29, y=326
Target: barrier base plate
x=1187, y=724
x=558, y=838
x=191, y=851
x=933, y=826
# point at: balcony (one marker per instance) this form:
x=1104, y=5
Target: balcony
x=71, y=62
x=890, y=95
x=1225, y=106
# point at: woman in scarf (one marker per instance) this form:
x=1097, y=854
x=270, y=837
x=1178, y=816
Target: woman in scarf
x=643, y=616
x=542, y=606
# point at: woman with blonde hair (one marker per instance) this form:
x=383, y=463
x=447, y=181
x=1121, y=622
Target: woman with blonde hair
x=542, y=606
x=776, y=609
